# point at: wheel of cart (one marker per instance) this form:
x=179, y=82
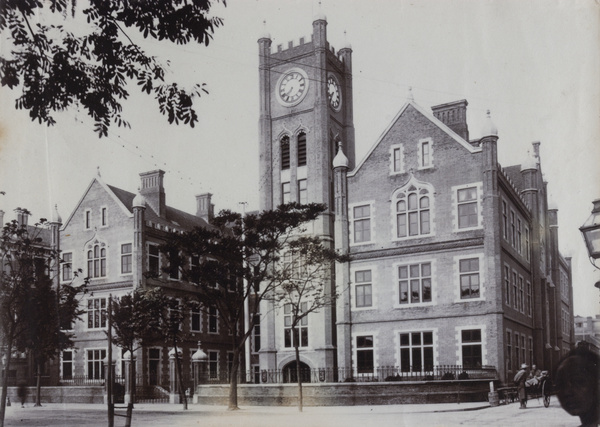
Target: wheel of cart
x=546, y=391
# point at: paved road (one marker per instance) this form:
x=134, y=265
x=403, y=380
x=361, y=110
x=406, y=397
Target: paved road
x=443, y=415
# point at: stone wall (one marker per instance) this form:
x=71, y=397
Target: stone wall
x=64, y=394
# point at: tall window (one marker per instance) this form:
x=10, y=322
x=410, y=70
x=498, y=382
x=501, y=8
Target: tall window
x=96, y=313
x=364, y=354
x=104, y=216
x=469, y=278
x=285, y=152
x=517, y=352
x=416, y=351
x=521, y=296
x=88, y=219
x=67, y=266
x=213, y=364
x=412, y=212
x=528, y=302
x=363, y=288
x=414, y=283
x=519, y=236
x=302, y=194
x=302, y=149
x=256, y=334
x=285, y=192
x=213, y=320
x=195, y=320
x=300, y=334
x=67, y=364
x=95, y=364
x=397, y=159
x=508, y=351
x=527, y=243
x=513, y=229
x=515, y=291
x=530, y=351
x=523, y=349
x=126, y=258
x=471, y=348
x=504, y=220
x=96, y=261
x=362, y=223
x=507, y=283
x=153, y=260
x=425, y=154
x=467, y=207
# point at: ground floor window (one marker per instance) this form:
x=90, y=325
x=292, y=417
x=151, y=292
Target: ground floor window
x=416, y=351
x=67, y=364
x=364, y=354
x=95, y=364
x=213, y=364
x=471, y=348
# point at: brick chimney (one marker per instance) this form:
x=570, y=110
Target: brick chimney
x=152, y=189
x=205, y=209
x=454, y=115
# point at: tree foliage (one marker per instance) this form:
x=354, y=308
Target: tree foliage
x=32, y=309
x=238, y=264
x=56, y=69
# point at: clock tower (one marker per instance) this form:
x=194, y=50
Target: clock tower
x=305, y=114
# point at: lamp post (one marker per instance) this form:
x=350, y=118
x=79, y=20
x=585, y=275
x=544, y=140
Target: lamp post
x=591, y=233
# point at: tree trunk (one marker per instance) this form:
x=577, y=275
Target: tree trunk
x=297, y=351
x=182, y=395
x=5, y=384
x=233, y=380
x=38, y=385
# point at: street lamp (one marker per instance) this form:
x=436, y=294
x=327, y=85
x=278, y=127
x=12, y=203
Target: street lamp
x=591, y=233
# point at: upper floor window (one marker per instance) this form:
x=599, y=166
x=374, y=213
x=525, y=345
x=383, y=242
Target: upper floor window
x=67, y=266
x=300, y=334
x=513, y=229
x=507, y=284
x=87, y=219
x=195, y=320
x=519, y=236
x=361, y=223
x=285, y=192
x=213, y=320
x=96, y=257
x=504, y=220
x=96, y=313
x=528, y=296
x=526, y=243
x=302, y=149
x=153, y=260
x=126, y=258
x=285, y=152
x=302, y=192
x=412, y=212
x=104, y=216
x=467, y=207
x=414, y=282
x=363, y=288
x=256, y=334
x=397, y=159
x=469, y=278
x=425, y=153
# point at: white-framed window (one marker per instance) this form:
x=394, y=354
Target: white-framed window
x=425, y=153
x=471, y=346
x=413, y=213
x=96, y=313
x=414, y=283
x=363, y=288
x=195, y=320
x=103, y=216
x=396, y=159
x=470, y=277
x=285, y=192
x=302, y=192
x=365, y=354
x=96, y=258
x=66, y=365
x=362, y=224
x=87, y=219
x=300, y=333
x=468, y=215
x=154, y=264
x=416, y=351
x=67, y=267
x=213, y=320
x=95, y=363
x=213, y=364
x=126, y=258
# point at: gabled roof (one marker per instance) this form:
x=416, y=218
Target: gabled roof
x=431, y=118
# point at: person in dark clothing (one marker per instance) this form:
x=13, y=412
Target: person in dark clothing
x=22, y=392
x=578, y=384
x=519, y=380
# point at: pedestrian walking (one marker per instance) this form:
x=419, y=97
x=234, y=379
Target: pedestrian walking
x=22, y=392
x=519, y=380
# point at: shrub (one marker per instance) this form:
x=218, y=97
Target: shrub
x=448, y=376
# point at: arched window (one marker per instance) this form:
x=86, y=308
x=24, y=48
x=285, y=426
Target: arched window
x=412, y=212
x=285, y=152
x=96, y=257
x=302, y=149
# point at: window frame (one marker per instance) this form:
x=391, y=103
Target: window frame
x=69, y=362
x=480, y=273
x=421, y=346
x=100, y=318
x=478, y=186
x=87, y=219
x=97, y=266
x=88, y=361
x=66, y=264
x=409, y=279
x=373, y=349
x=397, y=164
x=481, y=343
x=428, y=142
x=286, y=161
x=356, y=284
x=213, y=316
x=286, y=194
x=103, y=216
x=302, y=330
x=353, y=222
x=124, y=255
x=302, y=191
x=157, y=257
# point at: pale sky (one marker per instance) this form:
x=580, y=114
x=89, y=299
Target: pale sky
x=534, y=64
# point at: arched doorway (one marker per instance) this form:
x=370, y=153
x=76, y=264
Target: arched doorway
x=290, y=376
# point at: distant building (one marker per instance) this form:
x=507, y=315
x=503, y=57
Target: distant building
x=587, y=330
x=454, y=259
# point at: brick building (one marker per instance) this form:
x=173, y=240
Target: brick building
x=455, y=259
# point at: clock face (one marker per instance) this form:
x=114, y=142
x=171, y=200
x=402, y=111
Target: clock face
x=292, y=87
x=333, y=93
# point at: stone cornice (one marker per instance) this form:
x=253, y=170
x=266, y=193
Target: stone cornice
x=414, y=249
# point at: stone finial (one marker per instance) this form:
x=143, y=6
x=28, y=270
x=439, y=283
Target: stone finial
x=489, y=128
x=56, y=218
x=410, y=96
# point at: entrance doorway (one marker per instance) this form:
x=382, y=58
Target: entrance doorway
x=290, y=373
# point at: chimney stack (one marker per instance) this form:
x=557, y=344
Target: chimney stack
x=454, y=115
x=205, y=209
x=154, y=192
x=22, y=216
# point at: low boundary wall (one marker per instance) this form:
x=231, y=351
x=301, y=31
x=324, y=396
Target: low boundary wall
x=62, y=394
x=348, y=394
